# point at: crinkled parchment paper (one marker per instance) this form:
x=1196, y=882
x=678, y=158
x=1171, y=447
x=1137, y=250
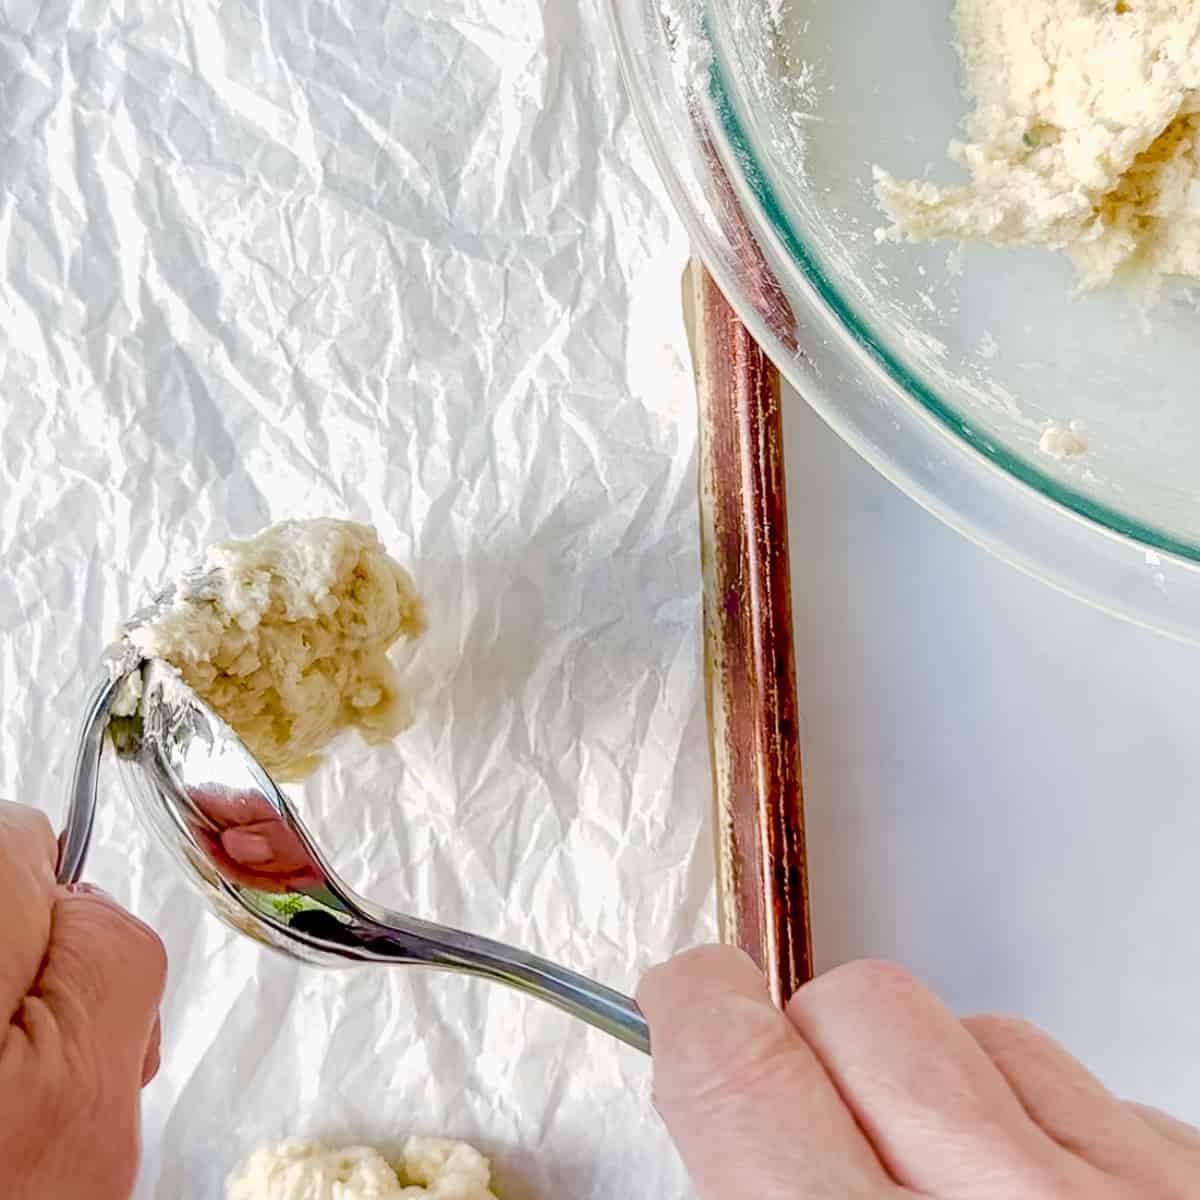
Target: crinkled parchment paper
x=408, y=265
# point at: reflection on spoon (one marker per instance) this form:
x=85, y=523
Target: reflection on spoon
x=247, y=840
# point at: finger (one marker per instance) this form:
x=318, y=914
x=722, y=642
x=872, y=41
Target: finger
x=253, y=845
x=731, y=1071
x=1172, y=1128
x=940, y=1116
x=271, y=876
x=267, y=846
x=26, y=833
x=28, y=856
x=1071, y=1104
x=102, y=982
x=153, y=1059
x=228, y=808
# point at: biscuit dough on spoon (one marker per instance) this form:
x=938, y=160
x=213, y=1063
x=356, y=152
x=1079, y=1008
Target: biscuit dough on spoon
x=290, y=646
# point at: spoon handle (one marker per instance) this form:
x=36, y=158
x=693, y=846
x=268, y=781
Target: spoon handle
x=374, y=934
x=600, y=1006
x=81, y=800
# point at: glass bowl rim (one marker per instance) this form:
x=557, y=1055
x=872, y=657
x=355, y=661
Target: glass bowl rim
x=1054, y=489
x=1154, y=583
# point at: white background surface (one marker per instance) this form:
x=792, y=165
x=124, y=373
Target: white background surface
x=410, y=266
x=280, y=260
x=1001, y=783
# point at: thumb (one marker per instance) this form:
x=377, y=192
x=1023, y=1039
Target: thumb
x=103, y=980
x=747, y=1102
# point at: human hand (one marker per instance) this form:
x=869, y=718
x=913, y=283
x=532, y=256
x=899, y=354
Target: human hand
x=869, y=1088
x=80, y=985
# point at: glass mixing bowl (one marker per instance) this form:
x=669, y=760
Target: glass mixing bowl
x=942, y=365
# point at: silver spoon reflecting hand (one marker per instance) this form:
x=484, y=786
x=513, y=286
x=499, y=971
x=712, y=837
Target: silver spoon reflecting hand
x=238, y=837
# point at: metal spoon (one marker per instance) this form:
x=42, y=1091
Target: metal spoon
x=120, y=661
x=223, y=817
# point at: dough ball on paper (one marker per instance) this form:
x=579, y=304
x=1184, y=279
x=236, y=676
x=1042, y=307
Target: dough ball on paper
x=428, y=1169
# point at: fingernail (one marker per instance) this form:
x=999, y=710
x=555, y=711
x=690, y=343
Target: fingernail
x=249, y=849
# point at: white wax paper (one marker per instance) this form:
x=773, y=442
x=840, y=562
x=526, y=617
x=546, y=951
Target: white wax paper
x=409, y=265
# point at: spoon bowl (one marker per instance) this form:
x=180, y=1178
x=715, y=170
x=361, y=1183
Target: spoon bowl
x=239, y=840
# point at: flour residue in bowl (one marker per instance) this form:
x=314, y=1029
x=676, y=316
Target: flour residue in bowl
x=1085, y=137
x=1064, y=441
x=786, y=89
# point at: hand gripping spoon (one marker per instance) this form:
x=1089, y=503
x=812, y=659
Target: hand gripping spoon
x=238, y=838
